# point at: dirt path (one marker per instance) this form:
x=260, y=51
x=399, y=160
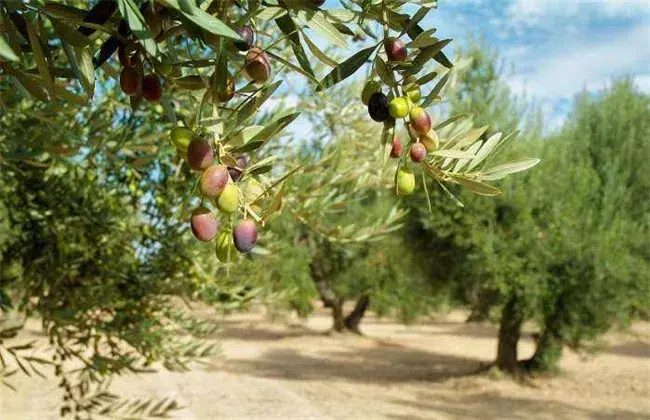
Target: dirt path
x=419, y=372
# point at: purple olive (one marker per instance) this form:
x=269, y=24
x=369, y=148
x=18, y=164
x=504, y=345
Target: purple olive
x=199, y=154
x=378, y=107
x=245, y=235
x=395, y=49
x=418, y=152
x=213, y=181
x=248, y=35
x=204, y=225
x=236, y=173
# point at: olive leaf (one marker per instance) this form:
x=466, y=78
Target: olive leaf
x=39, y=56
x=347, y=68
x=289, y=28
x=203, y=19
x=131, y=14
x=6, y=51
x=324, y=58
x=477, y=187
x=319, y=23
x=501, y=171
x=385, y=73
x=69, y=34
x=436, y=90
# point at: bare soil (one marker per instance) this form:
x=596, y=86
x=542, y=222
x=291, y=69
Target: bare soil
x=424, y=371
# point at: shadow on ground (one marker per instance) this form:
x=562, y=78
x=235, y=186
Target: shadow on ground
x=635, y=349
x=383, y=362
x=488, y=405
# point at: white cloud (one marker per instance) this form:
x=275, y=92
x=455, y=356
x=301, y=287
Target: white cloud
x=588, y=64
x=537, y=12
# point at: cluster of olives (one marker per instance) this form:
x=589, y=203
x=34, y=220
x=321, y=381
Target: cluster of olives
x=133, y=81
x=218, y=184
x=387, y=109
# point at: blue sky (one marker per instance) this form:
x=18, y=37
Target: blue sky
x=558, y=47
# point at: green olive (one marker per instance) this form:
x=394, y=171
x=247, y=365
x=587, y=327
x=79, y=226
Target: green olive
x=399, y=107
x=405, y=182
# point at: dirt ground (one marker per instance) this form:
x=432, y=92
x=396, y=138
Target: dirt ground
x=424, y=371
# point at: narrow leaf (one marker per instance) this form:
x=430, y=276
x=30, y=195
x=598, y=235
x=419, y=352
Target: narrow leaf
x=501, y=171
x=347, y=68
x=6, y=51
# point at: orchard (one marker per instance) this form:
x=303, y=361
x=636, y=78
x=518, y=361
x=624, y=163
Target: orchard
x=147, y=153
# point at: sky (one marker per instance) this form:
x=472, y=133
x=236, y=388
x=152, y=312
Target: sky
x=557, y=47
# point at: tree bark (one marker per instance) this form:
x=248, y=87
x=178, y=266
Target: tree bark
x=547, y=354
x=509, y=334
x=353, y=320
x=328, y=297
x=338, y=322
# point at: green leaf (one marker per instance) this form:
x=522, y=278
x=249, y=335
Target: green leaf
x=477, y=186
x=501, y=171
x=346, y=68
x=204, y=20
x=385, y=73
x=270, y=13
x=454, y=154
x=255, y=102
x=248, y=147
x=485, y=150
x=289, y=28
x=6, y=51
x=292, y=66
x=426, y=78
x=33, y=85
x=39, y=56
x=275, y=127
x=69, y=34
x=130, y=12
x=324, y=58
x=450, y=120
x=319, y=23
x=436, y=90
x=428, y=52
x=416, y=18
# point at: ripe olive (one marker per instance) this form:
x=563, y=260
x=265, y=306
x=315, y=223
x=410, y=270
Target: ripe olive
x=236, y=173
x=420, y=120
x=213, y=181
x=369, y=88
x=397, y=149
x=378, y=107
x=405, y=182
x=228, y=200
x=257, y=65
x=153, y=21
x=430, y=140
x=245, y=235
x=130, y=81
x=181, y=138
x=248, y=35
x=204, y=225
x=395, y=49
x=199, y=154
x=151, y=88
x=399, y=107
x=418, y=152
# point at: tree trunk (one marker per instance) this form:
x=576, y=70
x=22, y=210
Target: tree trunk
x=328, y=297
x=354, y=318
x=547, y=354
x=509, y=334
x=338, y=322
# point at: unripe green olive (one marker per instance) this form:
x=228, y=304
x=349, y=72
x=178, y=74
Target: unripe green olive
x=213, y=181
x=405, y=182
x=420, y=120
x=204, y=225
x=225, y=250
x=417, y=152
x=430, y=140
x=399, y=107
x=369, y=88
x=412, y=89
x=181, y=138
x=228, y=200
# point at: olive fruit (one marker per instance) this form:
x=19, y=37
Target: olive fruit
x=420, y=120
x=397, y=149
x=226, y=250
x=245, y=235
x=181, y=138
x=418, y=152
x=248, y=35
x=412, y=89
x=399, y=107
x=236, y=173
x=213, y=181
x=130, y=81
x=228, y=200
x=199, y=154
x=405, y=182
x=378, y=107
x=257, y=65
x=369, y=88
x=229, y=91
x=395, y=49
x=151, y=88
x=204, y=225
x=127, y=56
x=430, y=140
